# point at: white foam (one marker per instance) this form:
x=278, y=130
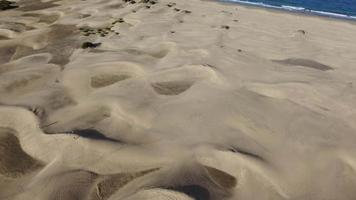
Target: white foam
x=295, y=9
x=292, y=7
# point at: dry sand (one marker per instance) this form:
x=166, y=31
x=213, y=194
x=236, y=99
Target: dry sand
x=112, y=99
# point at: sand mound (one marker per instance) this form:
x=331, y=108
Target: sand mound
x=159, y=194
x=197, y=181
x=34, y=5
x=60, y=44
x=81, y=184
x=221, y=178
x=111, y=183
x=43, y=18
x=194, y=191
x=103, y=80
x=6, y=54
x=171, y=88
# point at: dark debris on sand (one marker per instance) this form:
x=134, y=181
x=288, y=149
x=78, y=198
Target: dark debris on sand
x=142, y=1
x=225, y=27
x=302, y=31
x=87, y=45
x=171, y=4
x=6, y=5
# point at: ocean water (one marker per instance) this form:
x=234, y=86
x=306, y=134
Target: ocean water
x=333, y=8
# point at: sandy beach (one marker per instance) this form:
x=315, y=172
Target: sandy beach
x=186, y=100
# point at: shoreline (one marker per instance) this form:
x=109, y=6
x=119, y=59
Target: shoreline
x=281, y=10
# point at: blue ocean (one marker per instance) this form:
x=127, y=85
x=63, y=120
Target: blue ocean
x=333, y=8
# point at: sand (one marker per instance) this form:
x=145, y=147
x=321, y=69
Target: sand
x=188, y=100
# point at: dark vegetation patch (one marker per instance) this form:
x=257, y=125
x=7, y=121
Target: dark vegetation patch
x=7, y=5
x=87, y=45
x=101, y=31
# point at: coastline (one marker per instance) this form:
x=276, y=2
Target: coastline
x=292, y=12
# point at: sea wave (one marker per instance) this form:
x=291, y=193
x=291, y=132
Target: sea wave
x=294, y=9
x=331, y=14
x=252, y=3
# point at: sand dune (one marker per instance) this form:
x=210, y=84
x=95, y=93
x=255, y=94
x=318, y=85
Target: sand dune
x=188, y=100
x=14, y=161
